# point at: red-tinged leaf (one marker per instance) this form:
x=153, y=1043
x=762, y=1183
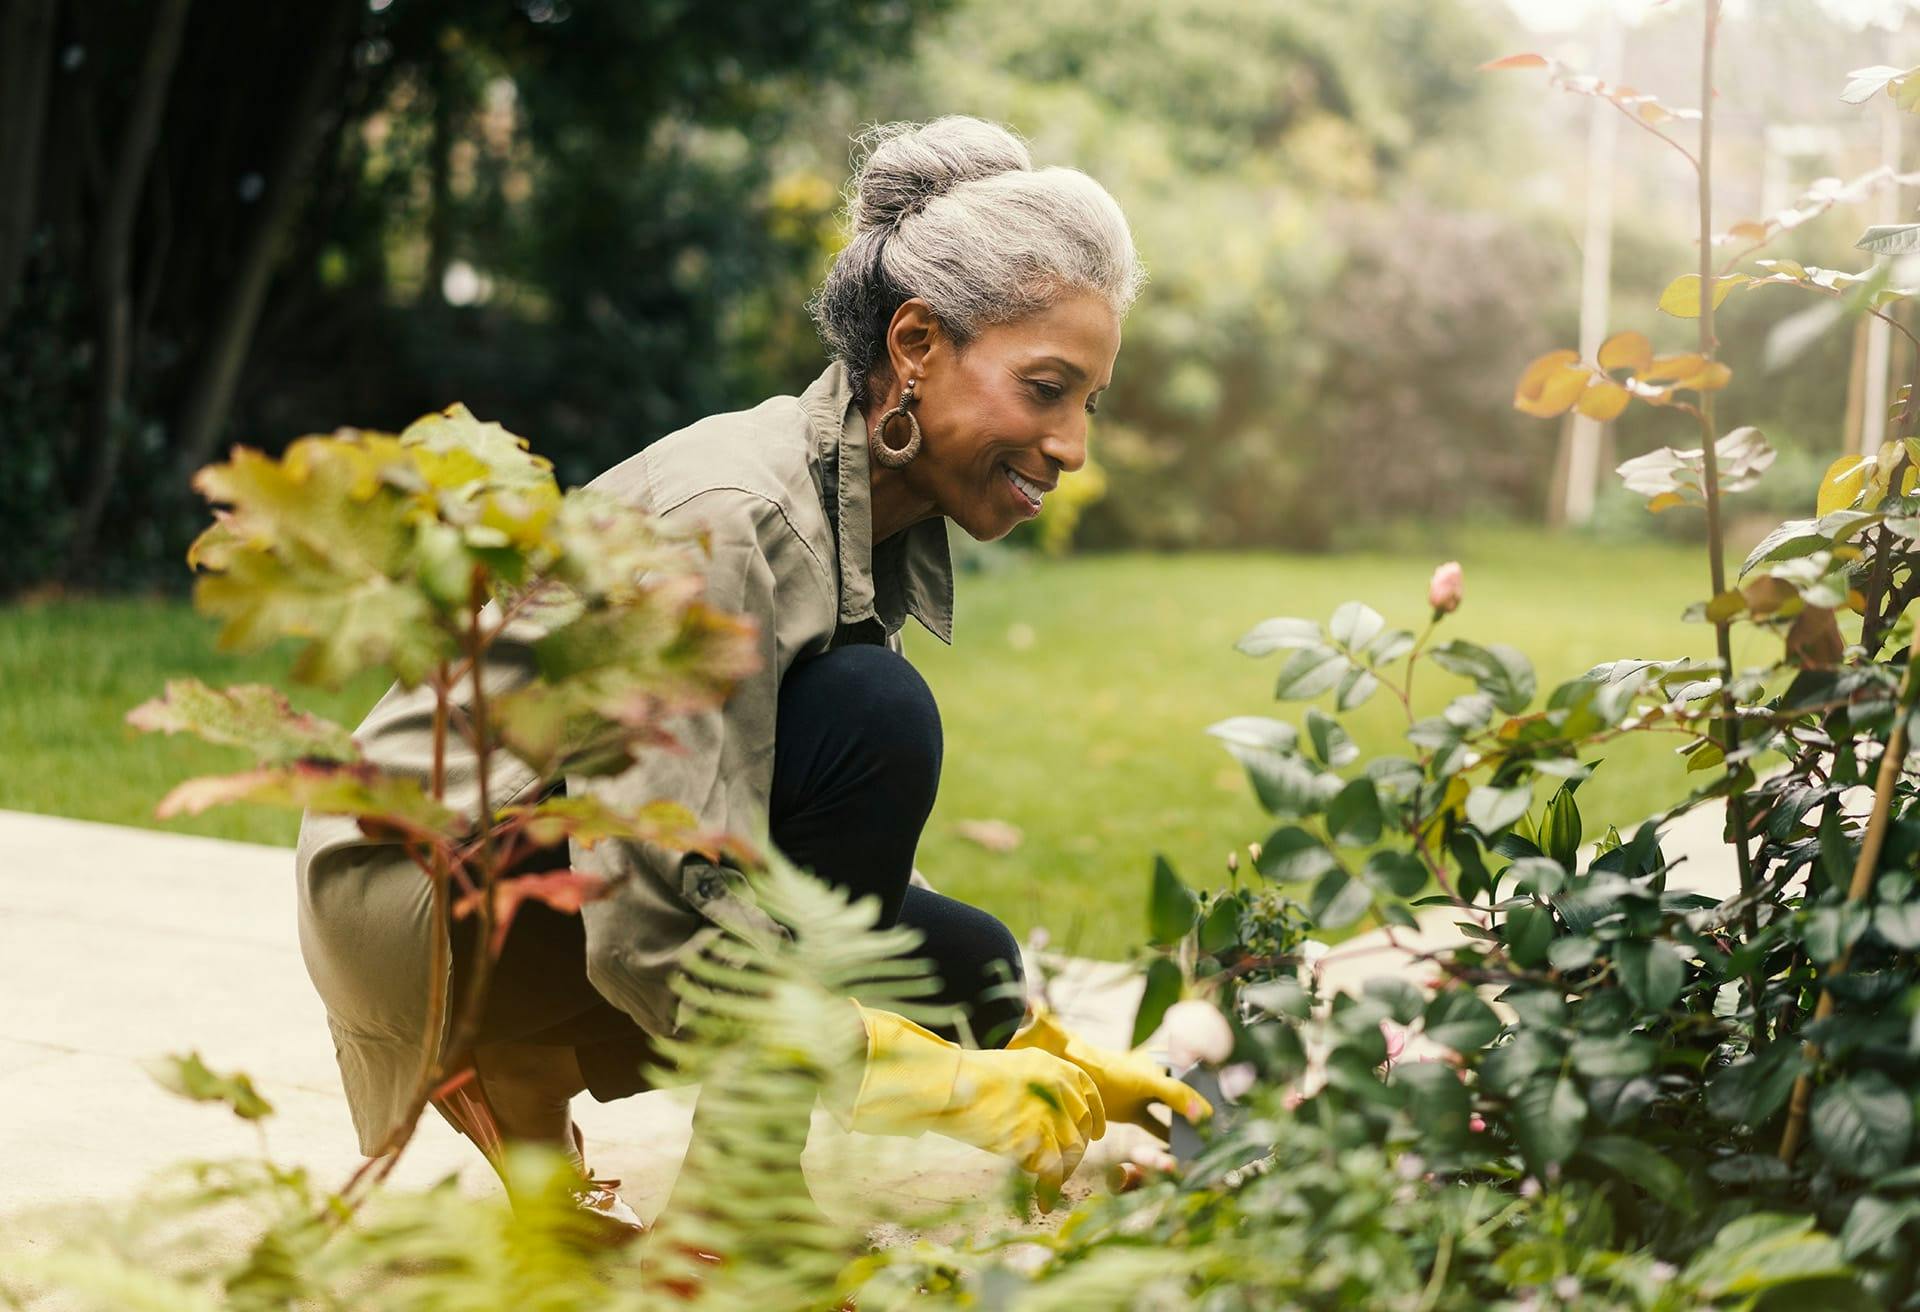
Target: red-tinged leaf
x=252, y=715
x=381, y=801
x=1526, y=60
x=590, y=820
x=1626, y=350
x=1814, y=641
x=566, y=891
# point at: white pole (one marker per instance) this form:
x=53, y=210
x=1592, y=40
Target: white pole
x=1886, y=209
x=1596, y=272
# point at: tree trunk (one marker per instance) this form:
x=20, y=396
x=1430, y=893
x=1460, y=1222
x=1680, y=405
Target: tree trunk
x=112, y=261
x=218, y=376
x=26, y=61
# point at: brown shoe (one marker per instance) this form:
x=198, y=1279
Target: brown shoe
x=463, y=1102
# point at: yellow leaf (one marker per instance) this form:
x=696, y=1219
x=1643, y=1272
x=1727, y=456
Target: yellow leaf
x=1748, y=230
x=1550, y=384
x=1725, y=606
x=1840, y=486
x=1666, y=501
x=1713, y=376
x=1668, y=367
x=1627, y=350
x=1603, y=401
x=1681, y=299
x=1766, y=594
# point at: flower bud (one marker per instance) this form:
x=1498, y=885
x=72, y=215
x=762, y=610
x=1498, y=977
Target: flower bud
x=1443, y=591
x=1195, y=1031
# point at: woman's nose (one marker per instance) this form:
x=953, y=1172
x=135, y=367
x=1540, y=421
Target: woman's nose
x=1067, y=447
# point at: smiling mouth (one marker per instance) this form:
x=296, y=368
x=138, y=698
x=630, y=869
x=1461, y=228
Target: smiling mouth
x=1029, y=492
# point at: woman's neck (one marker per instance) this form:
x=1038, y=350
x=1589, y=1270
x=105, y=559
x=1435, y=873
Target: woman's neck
x=896, y=504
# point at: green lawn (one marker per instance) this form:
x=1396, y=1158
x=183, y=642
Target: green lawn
x=1075, y=702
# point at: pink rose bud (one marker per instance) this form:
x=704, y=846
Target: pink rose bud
x=1443, y=592
x=1196, y=1032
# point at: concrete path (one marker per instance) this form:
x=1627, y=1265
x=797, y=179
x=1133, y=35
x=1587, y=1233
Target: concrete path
x=119, y=945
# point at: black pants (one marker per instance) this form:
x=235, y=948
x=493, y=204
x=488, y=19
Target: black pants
x=856, y=764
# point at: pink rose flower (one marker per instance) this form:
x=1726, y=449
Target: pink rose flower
x=1443, y=592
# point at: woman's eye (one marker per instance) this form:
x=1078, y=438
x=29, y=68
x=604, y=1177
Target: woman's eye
x=1047, y=391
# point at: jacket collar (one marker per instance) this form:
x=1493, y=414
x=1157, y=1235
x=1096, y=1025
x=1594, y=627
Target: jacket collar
x=911, y=573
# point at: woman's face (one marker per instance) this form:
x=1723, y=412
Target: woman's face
x=1005, y=417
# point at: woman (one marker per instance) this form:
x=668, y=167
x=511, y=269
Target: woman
x=973, y=321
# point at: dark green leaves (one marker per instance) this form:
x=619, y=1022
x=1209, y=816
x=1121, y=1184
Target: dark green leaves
x=1294, y=854
x=1330, y=742
x=1458, y=1019
x=1171, y=906
x=1652, y=973
x=1547, y=1116
x=1162, y=991
x=1863, y=1123
x=1501, y=672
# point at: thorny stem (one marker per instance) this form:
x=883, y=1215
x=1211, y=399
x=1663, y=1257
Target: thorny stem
x=1864, y=866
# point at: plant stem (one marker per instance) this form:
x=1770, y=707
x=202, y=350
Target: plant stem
x=1864, y=866
x=1710, y=462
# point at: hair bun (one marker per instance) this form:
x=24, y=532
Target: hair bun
x=905, y=165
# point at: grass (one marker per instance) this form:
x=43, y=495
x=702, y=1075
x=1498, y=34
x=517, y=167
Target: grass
x=1075, y=703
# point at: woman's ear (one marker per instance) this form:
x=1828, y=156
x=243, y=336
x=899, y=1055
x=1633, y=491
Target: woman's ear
x=911, y=334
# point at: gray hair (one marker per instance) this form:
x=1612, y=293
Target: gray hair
x=954, y=212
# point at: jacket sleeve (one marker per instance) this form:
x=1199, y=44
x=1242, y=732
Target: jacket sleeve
x=721, y=770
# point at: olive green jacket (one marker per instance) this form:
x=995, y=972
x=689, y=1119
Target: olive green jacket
x=783, y=490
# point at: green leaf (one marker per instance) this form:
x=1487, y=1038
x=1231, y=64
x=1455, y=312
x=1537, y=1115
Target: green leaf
x=1547, y=1117
x=1613, y=1056
x=1260, y=732
x=1571, y=953
x=1220, y=929
x=1171, y=908
x=1458, y=1019
x=1389, y=646
x=1356, y=687
x=1652, y=973
x=1752, y=1089
x=252, y=716
x=191, y=1078
x=1338, y=900
x=1330, y=742
x=1354, y=625
x=358, y=789
x=1537, y=874
x=1528, y=931
x=1492, y=809
x=1762, y=1251
x=1310, y=672
x=1279, y=997
x=1287, y=785
x=1644, y=1166
x=1863, y=1123
x=1291, y=854
x=1874, y=1223
x=1891, y=239
x=1506, y=1069
x=1279, y=635
x=1437, y=1103
x=1834, y=928
x=1398, y=873
x=1899, y=924
x=1162, y=991
x=1501, y=672
x=1401, y=999
x=1353, y=817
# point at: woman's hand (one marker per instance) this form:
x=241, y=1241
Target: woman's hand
x=1024, y=1103
x=1129, y=1082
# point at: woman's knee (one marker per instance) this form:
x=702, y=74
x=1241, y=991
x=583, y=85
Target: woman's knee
x=978, y=961
x=877, y=705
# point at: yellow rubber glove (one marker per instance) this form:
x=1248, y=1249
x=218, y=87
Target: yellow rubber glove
x=1129, y=1082
x=1027, y=1105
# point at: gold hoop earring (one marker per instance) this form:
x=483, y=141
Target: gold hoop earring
x=895, y=457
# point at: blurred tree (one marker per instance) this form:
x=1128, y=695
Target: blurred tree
x=225, y=218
